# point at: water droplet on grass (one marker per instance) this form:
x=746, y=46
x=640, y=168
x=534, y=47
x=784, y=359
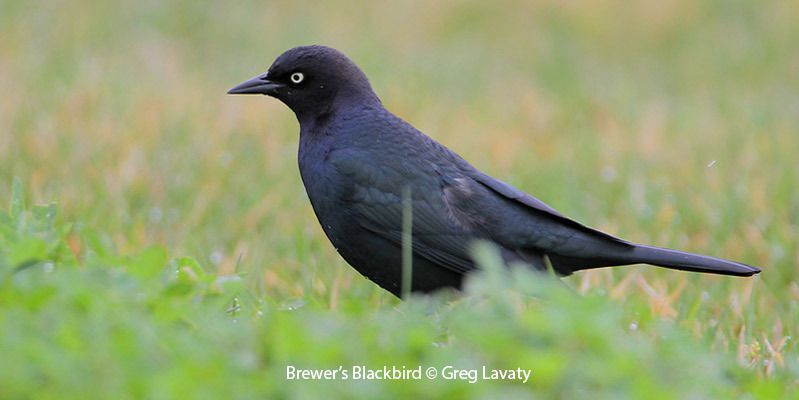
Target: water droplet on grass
x=292, y=304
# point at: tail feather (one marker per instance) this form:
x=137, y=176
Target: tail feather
x=681, y=260
x=643, y=254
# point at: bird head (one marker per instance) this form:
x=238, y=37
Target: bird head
x=312, y=81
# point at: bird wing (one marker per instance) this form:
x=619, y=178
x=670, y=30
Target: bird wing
x=453, y=203
x=512, y=193
x=538, y=207
x=433, y=238
x=376, y=201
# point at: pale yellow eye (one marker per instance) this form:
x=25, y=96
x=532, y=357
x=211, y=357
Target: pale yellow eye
x=297, y=77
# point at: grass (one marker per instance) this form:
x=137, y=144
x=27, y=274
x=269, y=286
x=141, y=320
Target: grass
x=672, y=124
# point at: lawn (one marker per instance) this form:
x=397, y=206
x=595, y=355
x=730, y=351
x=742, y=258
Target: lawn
x=156, y=240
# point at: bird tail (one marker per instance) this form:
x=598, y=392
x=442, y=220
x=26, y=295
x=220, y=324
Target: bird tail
x=643, y=254
x=681, y=260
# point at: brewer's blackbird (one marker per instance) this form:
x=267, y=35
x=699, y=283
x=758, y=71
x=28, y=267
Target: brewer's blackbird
x=357, y=160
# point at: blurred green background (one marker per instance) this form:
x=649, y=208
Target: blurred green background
x=671, y=123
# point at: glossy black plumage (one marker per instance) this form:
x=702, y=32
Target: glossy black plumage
x=356, y=158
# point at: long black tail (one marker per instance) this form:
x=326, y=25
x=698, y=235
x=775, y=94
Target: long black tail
x=681, y=260
x=643, y=254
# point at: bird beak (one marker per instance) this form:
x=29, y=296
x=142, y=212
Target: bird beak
x=257, y=85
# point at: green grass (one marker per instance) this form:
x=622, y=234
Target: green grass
x=667, y=123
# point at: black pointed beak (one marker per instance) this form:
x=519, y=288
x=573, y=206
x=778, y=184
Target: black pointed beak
x=257, y=85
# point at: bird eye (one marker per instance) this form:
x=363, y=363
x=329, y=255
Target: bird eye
x=297, y=77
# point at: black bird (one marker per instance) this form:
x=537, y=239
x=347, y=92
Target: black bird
x=357, y=160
